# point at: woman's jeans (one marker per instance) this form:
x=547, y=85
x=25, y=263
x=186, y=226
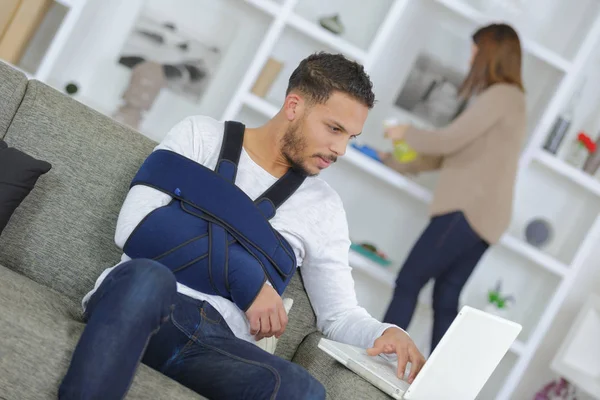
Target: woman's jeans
x=137, y=315
x=447, y=251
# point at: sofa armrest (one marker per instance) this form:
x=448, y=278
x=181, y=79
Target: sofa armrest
x=340, y=382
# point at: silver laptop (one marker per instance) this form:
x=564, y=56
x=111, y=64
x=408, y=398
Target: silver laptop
x=458, y=368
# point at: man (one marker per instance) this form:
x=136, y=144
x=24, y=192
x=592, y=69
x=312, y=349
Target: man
x=137, y=310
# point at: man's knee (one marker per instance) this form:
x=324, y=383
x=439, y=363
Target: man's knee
x=149, y=281
x=298, y=383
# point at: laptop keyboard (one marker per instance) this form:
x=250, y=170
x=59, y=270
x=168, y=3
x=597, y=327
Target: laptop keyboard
x=382, y=366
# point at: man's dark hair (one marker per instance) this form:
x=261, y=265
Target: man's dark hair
x=321, y=74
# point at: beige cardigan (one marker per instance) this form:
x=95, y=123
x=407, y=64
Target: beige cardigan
x=477, y=155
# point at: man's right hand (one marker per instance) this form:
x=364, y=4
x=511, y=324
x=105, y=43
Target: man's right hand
x=267, y=315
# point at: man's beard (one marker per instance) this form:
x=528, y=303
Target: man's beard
x=293, y=146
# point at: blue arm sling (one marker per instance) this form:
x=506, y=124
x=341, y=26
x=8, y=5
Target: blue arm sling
x=214, y=238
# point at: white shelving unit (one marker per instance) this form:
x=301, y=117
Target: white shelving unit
x=548, y=94
x=383, y=206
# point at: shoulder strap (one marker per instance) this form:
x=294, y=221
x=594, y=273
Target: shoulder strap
x=279, y=192
x=231, y=149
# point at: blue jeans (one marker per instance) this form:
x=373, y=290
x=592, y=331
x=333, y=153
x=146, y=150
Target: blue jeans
x=447, y=251
x=137, y=315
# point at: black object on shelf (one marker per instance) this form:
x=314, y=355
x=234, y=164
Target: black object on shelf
x=71, y=88
x=557, y=134
x=562, y=124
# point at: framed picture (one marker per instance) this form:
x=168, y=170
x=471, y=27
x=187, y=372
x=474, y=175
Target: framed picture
x=188, y=62
x=431, y=91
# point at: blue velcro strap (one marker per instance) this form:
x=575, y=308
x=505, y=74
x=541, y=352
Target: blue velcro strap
x=266, y=207
x=227, y=170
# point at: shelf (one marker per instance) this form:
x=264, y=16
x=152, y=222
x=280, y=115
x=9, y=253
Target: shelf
x=498, y=378
x=250, y=117
x=518, y=347
x=374, y=270
x=361, y=24
x=378, y=170
x=531, y=253
x=260, y=105
x=573, y=174
x=267, y=6
x=322, y=35
x=539, y=51
x=530, y=286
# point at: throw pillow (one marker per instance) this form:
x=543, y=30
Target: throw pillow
x=19, y=173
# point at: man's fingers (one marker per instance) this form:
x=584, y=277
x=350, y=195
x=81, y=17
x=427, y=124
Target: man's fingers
x=375, y=350
x=402, y=361
x=275, y=324
x=417, y=361
x=254, y=325
x=283, y=320
x=265, y=325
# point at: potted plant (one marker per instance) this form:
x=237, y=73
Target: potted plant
x=498, y=303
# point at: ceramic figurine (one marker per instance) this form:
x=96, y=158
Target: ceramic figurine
x=332, y=24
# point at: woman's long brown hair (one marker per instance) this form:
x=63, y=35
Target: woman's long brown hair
x=498, y=59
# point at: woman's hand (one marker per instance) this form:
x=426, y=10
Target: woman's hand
x=388, y=160
x=384, y=156
x=396, y=132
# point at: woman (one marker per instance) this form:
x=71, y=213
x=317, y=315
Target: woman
x=477, y=155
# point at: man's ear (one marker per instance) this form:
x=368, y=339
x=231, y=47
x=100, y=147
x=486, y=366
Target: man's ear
x=293, y=106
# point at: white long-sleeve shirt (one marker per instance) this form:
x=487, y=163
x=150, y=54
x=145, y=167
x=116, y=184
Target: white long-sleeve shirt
x=312, y=220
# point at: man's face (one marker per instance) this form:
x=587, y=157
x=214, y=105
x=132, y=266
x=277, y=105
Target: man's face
x=319, y=133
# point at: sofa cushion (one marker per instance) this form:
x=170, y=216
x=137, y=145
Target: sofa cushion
x=18, y=174
x=62, y=235
x=301, y=319
x=12, y=89
x=38, y=331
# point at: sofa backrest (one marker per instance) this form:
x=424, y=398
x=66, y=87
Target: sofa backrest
x=12, y=89
x=62, y=235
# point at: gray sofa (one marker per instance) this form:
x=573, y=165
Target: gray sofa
x=61, y=238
